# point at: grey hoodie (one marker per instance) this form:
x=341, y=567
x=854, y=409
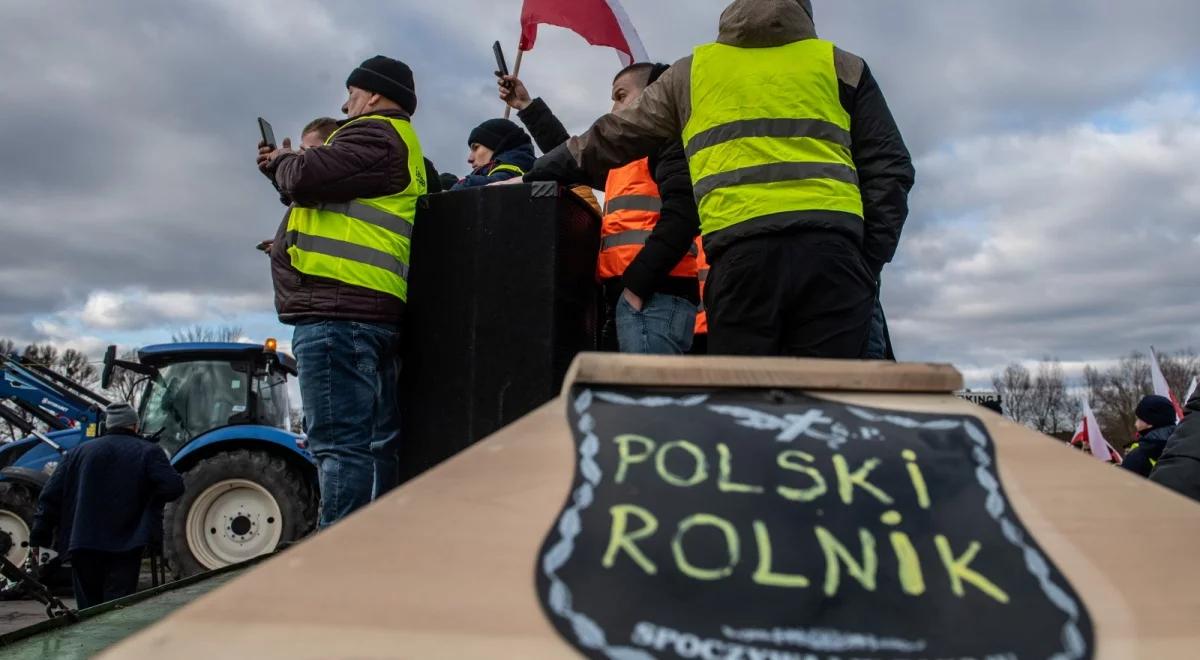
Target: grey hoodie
x=660, y=114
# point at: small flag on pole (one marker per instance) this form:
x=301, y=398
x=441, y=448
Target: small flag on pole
x=1161, y=387
x=1089, y=431
x=600, y=22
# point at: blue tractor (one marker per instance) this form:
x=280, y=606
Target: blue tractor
x=221, y=412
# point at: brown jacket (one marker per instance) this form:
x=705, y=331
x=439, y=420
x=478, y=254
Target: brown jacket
x=365, y=159
x=661, y=113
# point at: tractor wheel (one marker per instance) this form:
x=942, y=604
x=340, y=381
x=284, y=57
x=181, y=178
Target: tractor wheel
x=236, y=506
x=17, y=506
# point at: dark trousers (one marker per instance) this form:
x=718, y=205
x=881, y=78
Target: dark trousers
x=103, y=576
x=879, y=343
x=805, y=294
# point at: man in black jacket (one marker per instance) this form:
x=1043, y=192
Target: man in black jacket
x=1155, y=424
x=1179, y=466
x=802, y=194
x=103, y=506
x=651, y=289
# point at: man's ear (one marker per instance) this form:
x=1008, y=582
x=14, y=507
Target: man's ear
x=374, y=100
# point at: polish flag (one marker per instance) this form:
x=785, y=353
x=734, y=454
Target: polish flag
x=600, y=22
x=1161, y=387
x=1089, y=431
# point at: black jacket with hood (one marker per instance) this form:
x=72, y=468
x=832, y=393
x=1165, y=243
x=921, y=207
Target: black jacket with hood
x=520, y=157
x=1179, y=466
x=1150, y=446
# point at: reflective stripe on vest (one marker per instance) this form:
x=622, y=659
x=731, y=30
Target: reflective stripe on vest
x=364, y=242
x=633, y=203
x=631, y=211
x=768, y=136
x=343, y=250
x=505, y=167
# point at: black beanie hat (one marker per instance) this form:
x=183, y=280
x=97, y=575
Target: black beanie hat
x=807, y=6
x=499, y=135
x=391, y=79
x=1157, y=411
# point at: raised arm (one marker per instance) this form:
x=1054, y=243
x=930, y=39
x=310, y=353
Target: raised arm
x=646, y=127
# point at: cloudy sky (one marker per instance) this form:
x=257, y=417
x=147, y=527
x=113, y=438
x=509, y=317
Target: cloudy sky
x=1057, y=210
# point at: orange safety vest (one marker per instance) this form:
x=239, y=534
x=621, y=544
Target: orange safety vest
x=702, y=275
x=631, y=209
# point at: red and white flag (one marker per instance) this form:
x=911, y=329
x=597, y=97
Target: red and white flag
x=1161, y=387
x=600, y=22
x=1089, y=431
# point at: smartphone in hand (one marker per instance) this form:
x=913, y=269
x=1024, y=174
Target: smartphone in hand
x=268, y=134
x=501, y=65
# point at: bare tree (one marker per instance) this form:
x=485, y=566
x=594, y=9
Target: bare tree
x=8, y=347
x=76, y=366
x=1040, y=401
x=46, y=355
x=1015, y=386
x=205, y=334
x=1052, y=409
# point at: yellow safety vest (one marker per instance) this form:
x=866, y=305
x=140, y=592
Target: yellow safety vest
x=768, y=138
x=366, y=242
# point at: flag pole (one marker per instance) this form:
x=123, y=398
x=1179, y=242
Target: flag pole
x=516, y=73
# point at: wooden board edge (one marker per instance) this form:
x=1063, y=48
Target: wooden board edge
x=752, y=372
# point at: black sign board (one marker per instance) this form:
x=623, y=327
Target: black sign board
x=755, y=524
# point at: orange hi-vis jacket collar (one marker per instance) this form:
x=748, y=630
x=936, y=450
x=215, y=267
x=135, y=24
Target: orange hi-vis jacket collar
x=631, y=210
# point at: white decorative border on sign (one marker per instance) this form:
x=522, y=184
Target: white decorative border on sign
x=591, y=636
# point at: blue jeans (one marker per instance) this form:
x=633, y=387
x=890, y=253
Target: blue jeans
x=385, y=441
x=664, y=326
x=348, y=376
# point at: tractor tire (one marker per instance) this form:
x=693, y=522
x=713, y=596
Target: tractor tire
x=17, y=507
x=236, y=506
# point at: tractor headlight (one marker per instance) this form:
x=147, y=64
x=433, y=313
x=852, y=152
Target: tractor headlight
x=50, y=467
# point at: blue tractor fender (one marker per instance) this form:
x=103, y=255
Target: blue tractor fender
x=11, y=452
x=31, y=453
x=243, y=437
x=31, y=462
